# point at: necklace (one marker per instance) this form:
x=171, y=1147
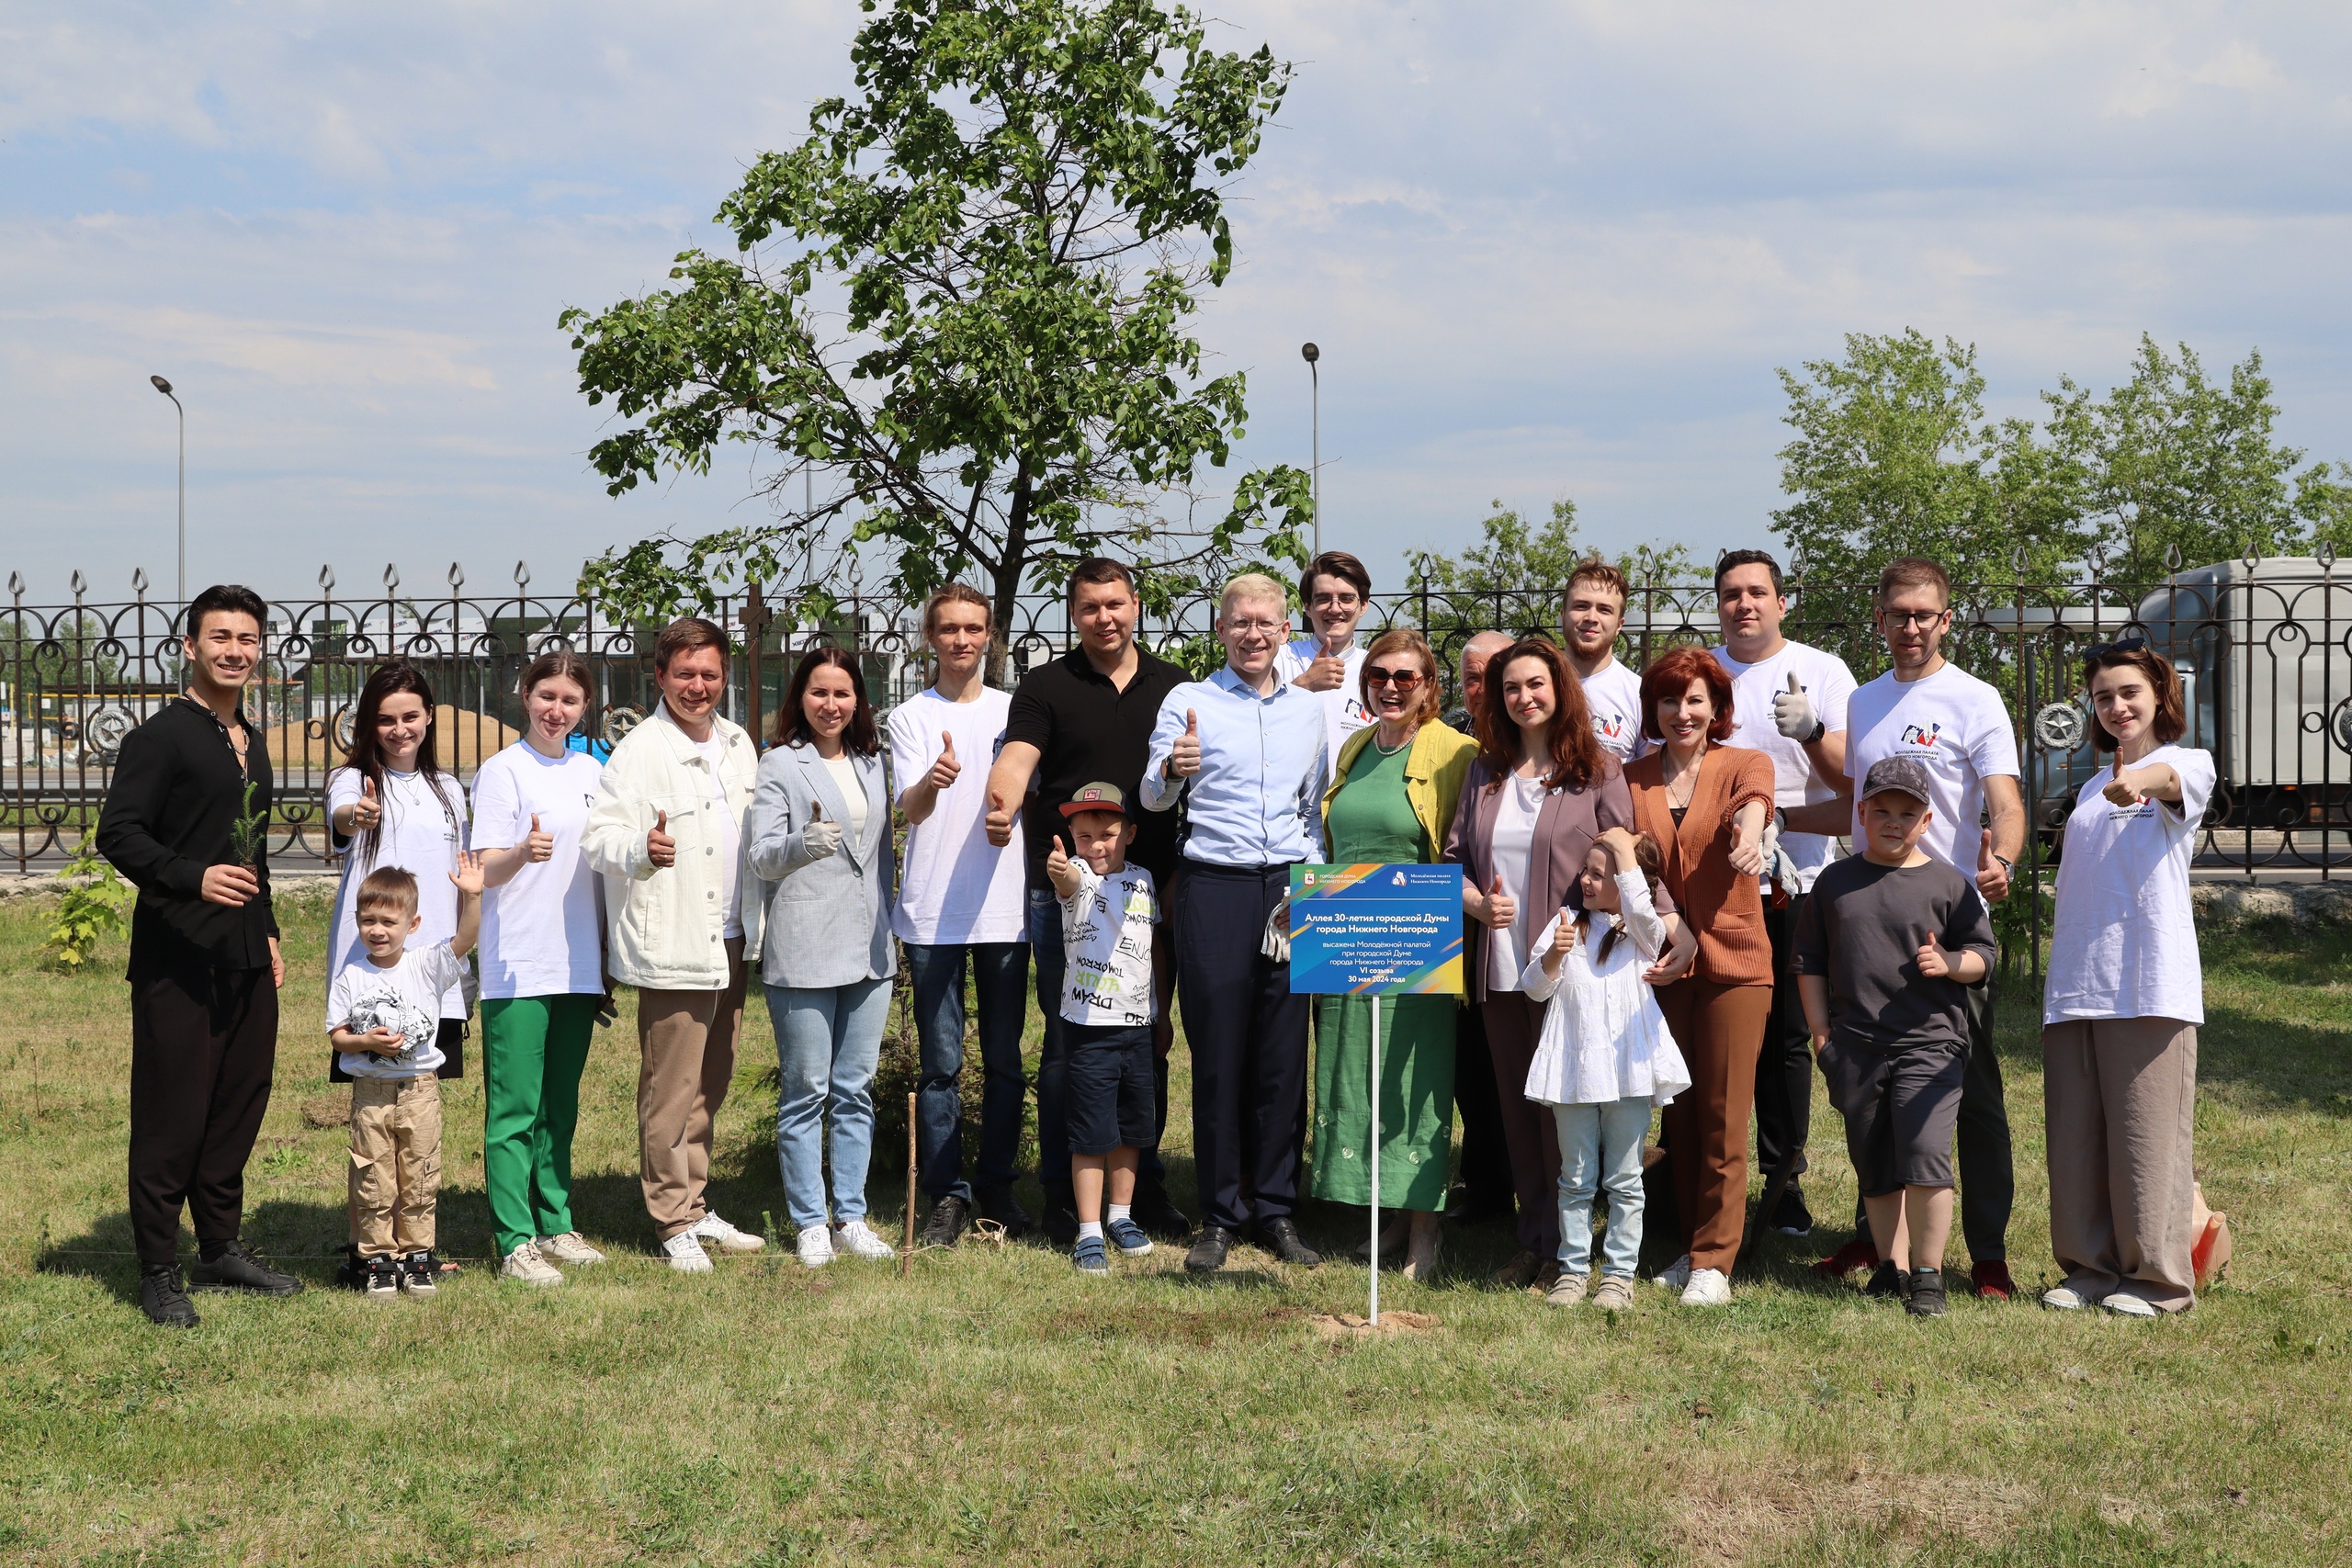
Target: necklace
x=1688, y=780
x=1389, y=750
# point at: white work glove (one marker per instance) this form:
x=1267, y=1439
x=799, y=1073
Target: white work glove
x=820, y=838
x=1792, y=713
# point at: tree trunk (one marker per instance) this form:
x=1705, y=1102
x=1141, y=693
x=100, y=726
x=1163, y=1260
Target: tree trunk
x=1011, y=564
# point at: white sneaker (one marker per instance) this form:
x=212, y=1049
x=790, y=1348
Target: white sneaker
x=1708, y=1288
x=2065, y=1298
x=816, y=1247
x=858, y=1237
x=724, y=1237
x=568, y=1247
x=685, y=1254
x=1675, y=1276
x=2124, y=1306
x=525, y=1264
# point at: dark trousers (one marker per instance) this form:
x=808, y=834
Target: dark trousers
x=1053, y=1067
x=1988, y=1178
x=1485, y=1172
x=203, y=1046
x=1784, y=1067
x=1530, y=1133
x=1248, y=1035
x=999, y=970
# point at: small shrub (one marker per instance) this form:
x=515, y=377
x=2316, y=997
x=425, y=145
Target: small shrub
x=91, y=910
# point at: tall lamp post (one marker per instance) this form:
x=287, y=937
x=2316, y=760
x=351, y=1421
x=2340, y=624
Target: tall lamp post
x=1309, y=353
x=180, y=583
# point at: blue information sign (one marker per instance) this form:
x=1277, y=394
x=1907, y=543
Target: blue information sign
x=1375, y=929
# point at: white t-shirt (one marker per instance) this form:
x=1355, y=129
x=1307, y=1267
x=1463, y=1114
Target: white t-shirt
x=1613, y=695
x=1106, y=942
x=1514, y=844
x=728, y=840
x=1343, y=709
x=1824, y=678
x=853, y=789
x=2124, y=942
x=404, y=998
x=955, y=887
x=421, y=833
x=1952, y=723
x=542, y=933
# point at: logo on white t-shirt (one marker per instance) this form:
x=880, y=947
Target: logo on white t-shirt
x=1913, y=735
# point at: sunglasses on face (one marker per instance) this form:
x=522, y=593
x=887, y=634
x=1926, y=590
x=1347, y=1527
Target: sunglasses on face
x=1403, y=679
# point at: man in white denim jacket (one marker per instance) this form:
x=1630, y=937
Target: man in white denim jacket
x=682, y=919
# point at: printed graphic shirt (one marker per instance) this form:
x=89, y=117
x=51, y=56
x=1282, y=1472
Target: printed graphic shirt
x=404, y=998
x=1613, y=694
x=1953, y=725
x=1343, y=708
x=1106, y=941
x=2124, y=942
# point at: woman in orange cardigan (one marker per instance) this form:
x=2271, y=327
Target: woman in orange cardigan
x=1706, y=804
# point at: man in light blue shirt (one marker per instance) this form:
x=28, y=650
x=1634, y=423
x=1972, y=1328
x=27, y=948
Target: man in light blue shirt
x=1246, y=755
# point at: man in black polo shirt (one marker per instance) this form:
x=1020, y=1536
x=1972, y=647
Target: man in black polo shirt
x=204, y=961
x=1082, y=717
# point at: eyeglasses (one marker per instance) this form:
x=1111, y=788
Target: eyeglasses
x=1265, y=628
x=1906, y=619
x=1403, y=679
x=2120, y=645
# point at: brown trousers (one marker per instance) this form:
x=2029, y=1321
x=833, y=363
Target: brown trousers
x=686, y=1043
x=1530, y=1137
x=2120, y=1098
x=395, y=1163
x=1720, y=1030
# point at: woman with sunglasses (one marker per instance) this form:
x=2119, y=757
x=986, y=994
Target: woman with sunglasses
x=1391, y=797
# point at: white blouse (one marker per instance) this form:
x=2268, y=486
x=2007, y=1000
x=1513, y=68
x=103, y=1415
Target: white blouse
x=1603, y=1038
x=1514, y=849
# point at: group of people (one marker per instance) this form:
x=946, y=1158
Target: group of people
x=1654, y=909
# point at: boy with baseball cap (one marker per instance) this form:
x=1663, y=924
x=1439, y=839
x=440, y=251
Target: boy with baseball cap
x=1108, y=910
x=1885, y=947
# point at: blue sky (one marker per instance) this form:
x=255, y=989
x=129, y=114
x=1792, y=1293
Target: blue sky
x=1548, y=251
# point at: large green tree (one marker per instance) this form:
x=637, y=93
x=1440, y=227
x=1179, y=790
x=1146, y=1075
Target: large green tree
x=963, y=302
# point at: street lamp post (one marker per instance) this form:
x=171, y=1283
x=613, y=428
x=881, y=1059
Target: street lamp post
x=180, y=582
x=1309, y=353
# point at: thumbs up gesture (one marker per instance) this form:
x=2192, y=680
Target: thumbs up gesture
x=1792, y=713
x=366, y=811
x=541, y=843
x=944, y=771
x=1000, y=820
x=660, y=848
x=2118, y=789
x=1992, y=876
x=820, y=838
x=1934, y=962
x=1501, y=909
x=1185, y=757
x=1060, y=870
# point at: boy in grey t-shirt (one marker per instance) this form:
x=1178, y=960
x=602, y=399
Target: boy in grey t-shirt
x=1884, y=948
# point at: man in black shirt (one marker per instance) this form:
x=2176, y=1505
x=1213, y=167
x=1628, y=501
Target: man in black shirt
x=1085, y=717
x=184, y=820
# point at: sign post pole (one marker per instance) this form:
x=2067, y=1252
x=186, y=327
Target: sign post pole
x=1375, y=1161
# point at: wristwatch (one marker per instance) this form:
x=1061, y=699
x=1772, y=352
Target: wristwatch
x=2008, y=866
x=1820, y=728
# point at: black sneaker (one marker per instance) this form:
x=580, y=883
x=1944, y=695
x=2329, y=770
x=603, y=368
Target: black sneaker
x=236, y=1268
x=1792, y=1217
x=351, y=1270
x=1927, y=1297
x=1281, y=1238
x=164, y=1298
x=383, y=1282
x=1209, y=1252
x=1159, y=1217
x=1886, y=1279
x=948, y=1217
x=999, y=1205
x=1061, y=1222
x=420, y=1273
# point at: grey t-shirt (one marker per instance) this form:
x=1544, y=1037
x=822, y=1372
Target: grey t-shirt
x=1862, y=927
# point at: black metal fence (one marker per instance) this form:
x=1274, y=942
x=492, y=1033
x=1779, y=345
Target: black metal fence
x=2263, y=645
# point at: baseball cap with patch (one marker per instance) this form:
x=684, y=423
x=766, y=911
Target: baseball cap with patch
x=1904, y=775
x=1097, y=798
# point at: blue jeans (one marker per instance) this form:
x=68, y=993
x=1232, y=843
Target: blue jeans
x=828, y=1040
x=1053, y=1064
x=998, y=970
x=1601, y=1147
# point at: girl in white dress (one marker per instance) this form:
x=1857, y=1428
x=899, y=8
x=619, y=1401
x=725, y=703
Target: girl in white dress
x=1604, y=1058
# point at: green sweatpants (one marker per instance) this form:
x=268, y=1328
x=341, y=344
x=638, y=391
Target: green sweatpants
x=533, y=1051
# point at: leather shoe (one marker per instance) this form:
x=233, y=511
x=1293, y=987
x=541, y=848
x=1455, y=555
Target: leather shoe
x=163, y=1299
x=999, y=1205
x=1160, y=1218
x=1209, y=1252
x=1281, y=1238
x=948, y=1217
x=1521, y=1271
x=1990, y=1278
x=236, y=1268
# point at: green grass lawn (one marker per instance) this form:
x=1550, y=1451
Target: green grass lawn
x=997, y=1406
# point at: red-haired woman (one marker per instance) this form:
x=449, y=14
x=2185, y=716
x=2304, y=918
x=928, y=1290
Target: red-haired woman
x=1539, y=793
x=2126, y=994
x=1706, y=804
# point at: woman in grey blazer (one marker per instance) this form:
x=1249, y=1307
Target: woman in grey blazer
x=819, y=833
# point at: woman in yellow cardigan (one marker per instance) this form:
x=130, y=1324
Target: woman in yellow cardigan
x=1394, y=788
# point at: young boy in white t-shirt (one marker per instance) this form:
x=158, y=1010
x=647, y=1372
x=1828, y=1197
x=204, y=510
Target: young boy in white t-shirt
x=1108, y=910
x=386, y=1008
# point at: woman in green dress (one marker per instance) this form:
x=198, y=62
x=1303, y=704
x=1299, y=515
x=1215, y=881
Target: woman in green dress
x=1393, y=792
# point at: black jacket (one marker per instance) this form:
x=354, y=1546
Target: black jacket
x=177, y=793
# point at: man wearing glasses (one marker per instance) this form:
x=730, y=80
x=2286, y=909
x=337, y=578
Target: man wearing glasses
x=1333, y=592
x=1957, y=727
x=1245, y=750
